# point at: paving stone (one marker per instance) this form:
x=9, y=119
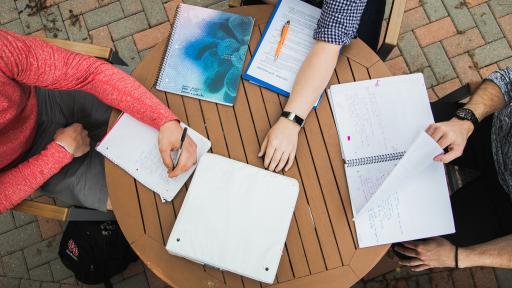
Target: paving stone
x=220, y=6
x=127, y=50
x=411, y=52
x=14, y=26
x=500, y=7
x=105, y=2
x=466, y=70
x=8, y=12
x=53, y=24
x=439, y=62
x=506, y=27
x=42, y=252
x=463, y=42
x=128, y=26
x=422, y=281
x=435, y=9
x=430, y=79
x=446, y=87
x=376, y=284
x=154, y=281
x=6, y=222
x=505, y=63
x=460, y=15
x=432, y=95
x=155, y=11
x=76, y=7
x=137, y=281
x=69, y=280
x=411, y=4
x=14, y=265
x=49, y=227
x=491, y=53
x=170, y=9
x=77, y=31
x=25, y=283
x=103, y=16
x=30, y=23
x=9, y=282
x=19, y=238
x=484, y=277
x=22, y=219
x=441, y=280
x=131, y=7
x=59, y=271
x=435, y=31
x=486, y=71
x=503, y=276
x=472, y=3
x=101, y=37
x=41, y=273
x=49, y=285
x=462, y=278
x=397, y=66
x=149, y=38
x=486, y=23
x=143, y=54
x=413, y=19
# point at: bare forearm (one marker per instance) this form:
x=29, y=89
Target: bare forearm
x=487, y=99
x=312, y=78
x=495, y=253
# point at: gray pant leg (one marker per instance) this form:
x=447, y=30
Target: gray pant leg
x=81, y=182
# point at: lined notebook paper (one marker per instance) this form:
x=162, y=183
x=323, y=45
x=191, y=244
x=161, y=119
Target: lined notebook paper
x=378, y=120
x=133, y=146
x=235, y=217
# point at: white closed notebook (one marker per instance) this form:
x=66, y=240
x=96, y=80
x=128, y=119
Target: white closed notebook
x=133, y=146
x=235, y=217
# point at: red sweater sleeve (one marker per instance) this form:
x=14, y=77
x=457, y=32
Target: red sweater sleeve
x=19, y=182
x=34, y=62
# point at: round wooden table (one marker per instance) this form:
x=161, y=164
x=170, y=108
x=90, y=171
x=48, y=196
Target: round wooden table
x=320, y=248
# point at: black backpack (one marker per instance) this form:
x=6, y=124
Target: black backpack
x=95, y=251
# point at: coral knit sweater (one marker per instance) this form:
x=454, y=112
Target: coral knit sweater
x=26, y=62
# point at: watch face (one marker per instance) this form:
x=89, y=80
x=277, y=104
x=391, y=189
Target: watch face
x=463, y=113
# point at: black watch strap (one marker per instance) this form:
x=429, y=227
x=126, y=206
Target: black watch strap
x=293, y=117
x=467, y=114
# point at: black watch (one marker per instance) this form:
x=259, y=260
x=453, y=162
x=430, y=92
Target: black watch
x=293, y=117
x=466, y=114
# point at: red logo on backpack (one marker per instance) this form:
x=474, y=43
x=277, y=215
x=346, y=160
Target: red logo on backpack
x=72, y=248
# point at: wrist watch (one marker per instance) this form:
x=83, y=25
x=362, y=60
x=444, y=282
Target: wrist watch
x=466, y=114
x=293, y=117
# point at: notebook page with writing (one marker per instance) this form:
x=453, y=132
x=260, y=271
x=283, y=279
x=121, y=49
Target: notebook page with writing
x=133, y=146
x=412, y=203
x=281, y=73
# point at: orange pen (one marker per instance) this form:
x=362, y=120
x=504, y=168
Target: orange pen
x=281, y=41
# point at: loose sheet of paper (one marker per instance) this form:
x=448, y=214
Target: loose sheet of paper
x=133, y=146
x=299, y=41
x=412, y=203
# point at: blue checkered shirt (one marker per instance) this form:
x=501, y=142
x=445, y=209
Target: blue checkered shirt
x=339, y=21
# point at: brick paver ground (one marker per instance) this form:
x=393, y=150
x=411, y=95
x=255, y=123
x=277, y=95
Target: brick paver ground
x=452, y=42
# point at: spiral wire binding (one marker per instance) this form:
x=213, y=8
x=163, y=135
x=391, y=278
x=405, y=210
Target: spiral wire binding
x=375, y=159
x=165, y=56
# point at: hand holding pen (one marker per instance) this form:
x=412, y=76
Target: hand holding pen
x=173, y=137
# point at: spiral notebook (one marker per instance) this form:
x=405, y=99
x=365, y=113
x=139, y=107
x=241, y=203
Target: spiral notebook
x=378, y=120
x=205, y=54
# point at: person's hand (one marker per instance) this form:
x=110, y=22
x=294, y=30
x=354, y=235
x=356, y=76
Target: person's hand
x=452, y=134
x=436, y=252
x=280, y=145
x=169, y=140
x=74, y=139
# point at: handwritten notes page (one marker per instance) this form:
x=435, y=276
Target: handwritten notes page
x=412, y=203
x=381, y=116
x=281, y=73
x=133, y=146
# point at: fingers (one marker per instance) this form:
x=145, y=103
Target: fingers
x=445, y=141
x=448, y=157
x=407, y=251
x=276, y=158
x=411, y=262
x=420, y=268
x=269, y=155
x=282, y=162
x=166, y=157
x=411, y=244
x=290, y=161
x=187, y=159
x=263, y=146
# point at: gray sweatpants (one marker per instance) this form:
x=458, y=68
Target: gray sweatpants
x=81, y=182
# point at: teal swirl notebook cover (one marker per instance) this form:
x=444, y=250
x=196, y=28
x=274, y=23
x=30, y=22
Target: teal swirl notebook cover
x=205, y=54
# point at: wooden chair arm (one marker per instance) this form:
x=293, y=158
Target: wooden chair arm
x=393, y=29
x=82, y=48
x=41, y=209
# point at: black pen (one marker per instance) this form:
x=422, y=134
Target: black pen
x=183, y=136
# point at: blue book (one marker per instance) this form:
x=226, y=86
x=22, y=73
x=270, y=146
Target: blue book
x=205, y=54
